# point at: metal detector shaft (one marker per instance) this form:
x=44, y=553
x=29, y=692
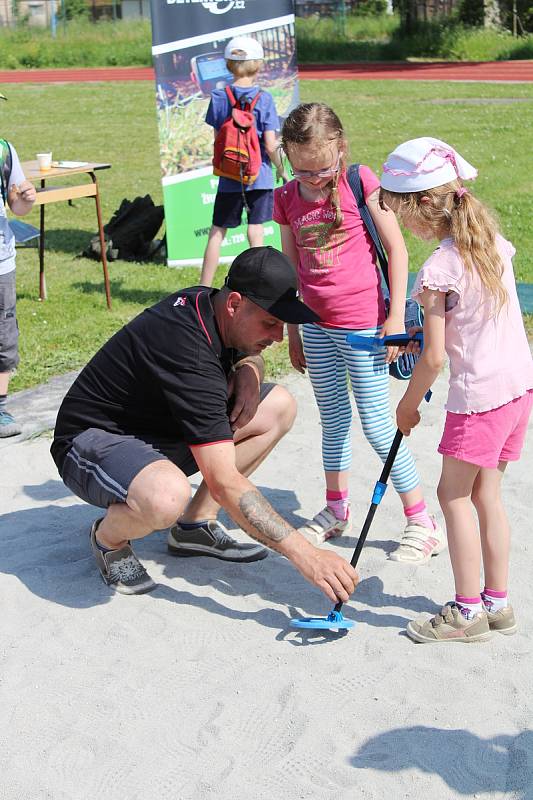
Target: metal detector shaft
x=379, y=491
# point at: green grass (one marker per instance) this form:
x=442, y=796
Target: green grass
x=80, y=43
x=117, y=122
x=380, y=39
x=77, y=44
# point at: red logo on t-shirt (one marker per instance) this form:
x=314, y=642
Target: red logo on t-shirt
x=181, y=301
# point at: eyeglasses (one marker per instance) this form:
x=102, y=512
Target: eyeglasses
x=322, y=173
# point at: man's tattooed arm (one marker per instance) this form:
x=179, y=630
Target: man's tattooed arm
x=272, y=528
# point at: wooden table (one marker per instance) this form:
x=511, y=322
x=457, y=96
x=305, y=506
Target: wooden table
x=54, y=194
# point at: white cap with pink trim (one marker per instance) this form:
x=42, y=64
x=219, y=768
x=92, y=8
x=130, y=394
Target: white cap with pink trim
x=424, y=163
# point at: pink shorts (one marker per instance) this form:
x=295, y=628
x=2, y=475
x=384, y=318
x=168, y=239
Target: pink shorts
x=487, y=438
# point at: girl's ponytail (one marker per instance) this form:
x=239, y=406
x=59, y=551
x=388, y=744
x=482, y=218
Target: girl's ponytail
x=474, y=230
x=336, y=202
x=451, y=210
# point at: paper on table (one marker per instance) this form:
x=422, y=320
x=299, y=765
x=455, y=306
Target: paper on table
x=72, y=164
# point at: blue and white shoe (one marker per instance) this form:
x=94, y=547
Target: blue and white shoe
x=8, y=426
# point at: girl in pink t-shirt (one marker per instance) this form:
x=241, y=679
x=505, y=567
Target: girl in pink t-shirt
x=323, y=234
x=468, y=291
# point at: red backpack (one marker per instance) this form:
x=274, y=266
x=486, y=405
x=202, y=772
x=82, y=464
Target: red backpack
x=237, y=154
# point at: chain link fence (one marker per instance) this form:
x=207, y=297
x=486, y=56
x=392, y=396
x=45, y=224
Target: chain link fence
x=51, y=13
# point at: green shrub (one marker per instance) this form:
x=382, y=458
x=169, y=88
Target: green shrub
x=470, y=12
x=367, y=8
x=365, y=39
x=78, y=42
x=73, y=9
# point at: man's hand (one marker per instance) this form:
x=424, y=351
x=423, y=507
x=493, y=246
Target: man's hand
x=407, y=417
x=334, y=576
x=243, y=389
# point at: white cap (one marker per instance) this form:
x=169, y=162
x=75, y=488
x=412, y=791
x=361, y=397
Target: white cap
x=243, y=48
x=424, y=163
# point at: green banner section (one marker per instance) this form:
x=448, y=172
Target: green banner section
x=189, y=211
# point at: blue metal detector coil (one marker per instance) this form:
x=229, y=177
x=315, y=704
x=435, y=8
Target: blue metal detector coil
x=334, y=621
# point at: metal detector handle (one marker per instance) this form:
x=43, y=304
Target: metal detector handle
x=379, y=491
x=403, y=339
x=373, y=343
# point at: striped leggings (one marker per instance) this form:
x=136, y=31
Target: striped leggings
x=329, y=362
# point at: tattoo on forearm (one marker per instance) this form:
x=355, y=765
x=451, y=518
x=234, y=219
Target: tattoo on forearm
x=259, y=513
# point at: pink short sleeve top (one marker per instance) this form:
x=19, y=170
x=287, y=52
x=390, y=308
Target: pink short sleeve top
x=490, y=357
x=337, y=272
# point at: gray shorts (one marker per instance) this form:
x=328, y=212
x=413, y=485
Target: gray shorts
x=9, y=331
x=100, y=466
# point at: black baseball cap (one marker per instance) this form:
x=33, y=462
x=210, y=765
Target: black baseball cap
x=267, y=278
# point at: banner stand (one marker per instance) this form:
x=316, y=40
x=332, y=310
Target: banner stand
x=188, y=40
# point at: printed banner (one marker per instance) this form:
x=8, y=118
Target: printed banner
x=188, y=39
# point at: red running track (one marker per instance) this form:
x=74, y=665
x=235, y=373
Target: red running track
x=505, y=71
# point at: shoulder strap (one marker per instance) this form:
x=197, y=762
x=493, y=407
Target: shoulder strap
x=254, y=101
x=246, y=104
x=5, y=167
x=230, y=96
x=354, y=179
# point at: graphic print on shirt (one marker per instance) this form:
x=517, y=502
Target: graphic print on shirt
x=319, y=245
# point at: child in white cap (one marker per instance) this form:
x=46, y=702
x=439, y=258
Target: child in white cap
x=472, y=314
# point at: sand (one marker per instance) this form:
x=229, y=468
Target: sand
x=202, y=690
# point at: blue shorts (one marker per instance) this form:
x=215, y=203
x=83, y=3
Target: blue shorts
x=229, y=206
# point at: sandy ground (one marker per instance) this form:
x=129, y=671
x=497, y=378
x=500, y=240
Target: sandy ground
x=202, y=690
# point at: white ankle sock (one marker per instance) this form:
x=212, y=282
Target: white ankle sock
x=494, y=604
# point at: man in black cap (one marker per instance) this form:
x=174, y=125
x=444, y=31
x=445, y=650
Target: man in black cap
x=179, y=390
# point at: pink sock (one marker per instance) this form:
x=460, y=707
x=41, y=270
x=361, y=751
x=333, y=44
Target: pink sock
x=338, y=502
x=418, y=515
x=493, y=600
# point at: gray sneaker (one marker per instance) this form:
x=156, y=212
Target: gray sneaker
x=8, y=425
x=212, y=539
x=121, y=569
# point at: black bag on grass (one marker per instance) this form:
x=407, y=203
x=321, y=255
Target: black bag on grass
x=130, y=231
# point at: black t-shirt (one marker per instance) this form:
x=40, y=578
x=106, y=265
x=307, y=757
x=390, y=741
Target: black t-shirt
x=163, y=375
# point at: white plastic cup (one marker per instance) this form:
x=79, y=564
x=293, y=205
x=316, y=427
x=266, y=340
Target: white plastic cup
x=44, y=160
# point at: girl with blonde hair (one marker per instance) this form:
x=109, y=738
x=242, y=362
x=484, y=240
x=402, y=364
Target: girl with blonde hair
x=471, y=308
x=324, y=236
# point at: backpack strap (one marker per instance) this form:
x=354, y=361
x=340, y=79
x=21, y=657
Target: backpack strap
x=5, y=167
x=235, y=104
x=253, y=103
x=354, y=179
x=231, y=97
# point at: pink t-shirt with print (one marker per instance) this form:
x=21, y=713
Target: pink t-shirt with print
x=337, y=272
x=490, y=358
